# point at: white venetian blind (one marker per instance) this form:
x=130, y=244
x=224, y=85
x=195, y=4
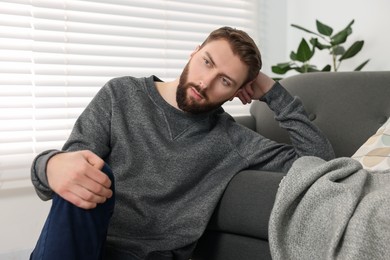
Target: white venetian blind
x=56, y=54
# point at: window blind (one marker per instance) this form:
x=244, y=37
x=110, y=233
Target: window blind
x=55, y=55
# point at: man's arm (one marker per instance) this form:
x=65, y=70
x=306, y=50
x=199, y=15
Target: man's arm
x=306, y=138
x=75, y=173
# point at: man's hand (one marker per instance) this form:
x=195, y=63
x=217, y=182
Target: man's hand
x=76, y=177
x=255, y=89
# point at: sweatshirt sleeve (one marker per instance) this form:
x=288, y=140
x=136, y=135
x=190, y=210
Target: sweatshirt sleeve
x=306, y=138
x=38, y=174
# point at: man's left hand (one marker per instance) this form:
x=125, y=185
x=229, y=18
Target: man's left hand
x=255, y=89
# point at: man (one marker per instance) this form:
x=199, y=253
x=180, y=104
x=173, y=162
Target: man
x=172, y=150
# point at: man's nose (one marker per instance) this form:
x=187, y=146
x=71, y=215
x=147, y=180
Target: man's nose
x=203, y=84
x=206, y=81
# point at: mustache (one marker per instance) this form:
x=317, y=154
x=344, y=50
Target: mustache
x=201, y=91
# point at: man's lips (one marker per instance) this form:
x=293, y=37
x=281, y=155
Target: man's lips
x=195, y=93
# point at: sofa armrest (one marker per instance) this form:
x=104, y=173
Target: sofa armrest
x=238, y=228
x=247, y=120
x=246, y=204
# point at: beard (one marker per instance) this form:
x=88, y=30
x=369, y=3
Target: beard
x=189, y=104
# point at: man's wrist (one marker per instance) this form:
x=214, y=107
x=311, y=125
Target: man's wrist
x=278, y=98
x=40, y=167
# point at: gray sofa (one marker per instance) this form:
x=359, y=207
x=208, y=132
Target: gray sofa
x=347, y=106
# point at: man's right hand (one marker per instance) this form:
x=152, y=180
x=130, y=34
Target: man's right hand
x=77, y=177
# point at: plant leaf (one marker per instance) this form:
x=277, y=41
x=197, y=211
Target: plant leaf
x=324, y=29
x=339, y=38
x=282, y=69
x=301, y=28
x=348, y=27
x=360, y=67
x=352, y=51
x=318, y=45
x=284, y=64
x=304, y=29
x=300, y=69
x=326, y=68
x=312, y=69
x=293, y=56
x=342, y=35
x=304, y=53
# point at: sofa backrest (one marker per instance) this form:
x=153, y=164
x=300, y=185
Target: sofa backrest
x=347, y=106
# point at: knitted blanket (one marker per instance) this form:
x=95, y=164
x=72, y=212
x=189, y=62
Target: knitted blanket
x=331, y=210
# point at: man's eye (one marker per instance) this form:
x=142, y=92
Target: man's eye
x=225, y=81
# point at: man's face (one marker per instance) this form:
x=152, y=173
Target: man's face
x=211, y=77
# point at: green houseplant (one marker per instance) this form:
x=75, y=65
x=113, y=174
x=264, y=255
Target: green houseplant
x=323, y=39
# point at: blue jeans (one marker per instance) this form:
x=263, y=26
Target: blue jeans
x=72, y=233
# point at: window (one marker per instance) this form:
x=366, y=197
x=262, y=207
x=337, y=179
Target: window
x=55, y=55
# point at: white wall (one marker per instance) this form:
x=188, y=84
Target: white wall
x=372, y=20
x=21, y=219
x=272, y=40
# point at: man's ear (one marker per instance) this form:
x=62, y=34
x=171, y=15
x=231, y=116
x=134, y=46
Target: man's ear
x=195, y=51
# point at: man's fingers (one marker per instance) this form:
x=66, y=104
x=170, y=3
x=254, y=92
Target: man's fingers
x=98, y=183
x=244, y=97
x=95, y=172
x=87, y=195
x=78, y=201
x=248, y=89
x=98, y=177
x=93, y=159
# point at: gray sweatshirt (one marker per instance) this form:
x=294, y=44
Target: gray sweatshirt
x=170, y=166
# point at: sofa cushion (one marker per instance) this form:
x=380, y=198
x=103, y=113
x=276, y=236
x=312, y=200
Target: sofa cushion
x=374, y=154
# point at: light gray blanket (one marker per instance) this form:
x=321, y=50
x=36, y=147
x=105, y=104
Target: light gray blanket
x=331, y=210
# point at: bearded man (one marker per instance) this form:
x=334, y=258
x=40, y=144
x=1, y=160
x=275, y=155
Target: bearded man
x=170, y=149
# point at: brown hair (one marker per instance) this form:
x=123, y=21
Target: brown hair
x=242, y=45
